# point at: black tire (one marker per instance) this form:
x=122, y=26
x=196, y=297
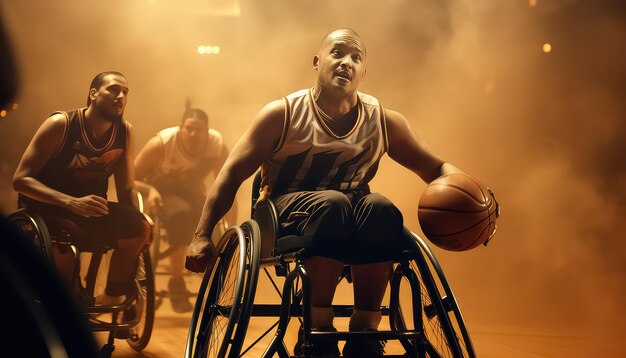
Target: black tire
x=34, y=229
x=222, y=310
x=428, y=310
x=140, y=334
x=39, y=306
x=449, y=300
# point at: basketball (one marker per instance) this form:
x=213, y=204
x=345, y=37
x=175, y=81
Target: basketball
x=457, y=212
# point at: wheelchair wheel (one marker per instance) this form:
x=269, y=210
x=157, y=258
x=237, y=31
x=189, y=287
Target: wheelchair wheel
x=140, y=334
x=34, y=230
x=444, y=335
x=222, y=310
x=37, y=304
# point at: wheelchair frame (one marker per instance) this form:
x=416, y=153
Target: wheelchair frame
x=226, y=299
x=158, y=253
x=34, y=227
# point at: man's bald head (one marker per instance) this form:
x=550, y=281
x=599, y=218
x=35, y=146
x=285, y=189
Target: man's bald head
x=348, y=35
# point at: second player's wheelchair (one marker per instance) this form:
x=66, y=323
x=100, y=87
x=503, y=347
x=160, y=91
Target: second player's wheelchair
x=423, y=314
x=160, y=247
x=139, y=305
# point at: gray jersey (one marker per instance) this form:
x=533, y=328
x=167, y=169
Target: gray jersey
x=311, y=157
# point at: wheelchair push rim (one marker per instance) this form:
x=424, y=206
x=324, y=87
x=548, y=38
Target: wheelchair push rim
x=222, y=310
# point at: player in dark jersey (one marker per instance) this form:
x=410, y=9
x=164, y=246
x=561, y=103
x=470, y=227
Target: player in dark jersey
x=64, y=173
x=318, y=149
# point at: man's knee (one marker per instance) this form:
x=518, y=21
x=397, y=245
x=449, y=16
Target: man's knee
x=379, y=224
x=336, y=202
x=334, y=213
x=375, y=209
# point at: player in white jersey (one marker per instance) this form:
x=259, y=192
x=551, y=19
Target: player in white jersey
x=318, y=149
x=172, y=168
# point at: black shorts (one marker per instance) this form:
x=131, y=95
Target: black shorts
x=355, y=227
x=122, y=222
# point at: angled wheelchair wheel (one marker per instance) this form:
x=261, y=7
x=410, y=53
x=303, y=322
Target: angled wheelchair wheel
x=141, y=333
x=420, y=278
x=226, y=295
x=34, y=229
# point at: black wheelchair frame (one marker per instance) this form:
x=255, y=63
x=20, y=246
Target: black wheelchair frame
x=33, y=227
x=431, y=327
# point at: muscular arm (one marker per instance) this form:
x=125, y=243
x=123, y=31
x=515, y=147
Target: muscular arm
x=231, y=215
x=251, y=150
x=46, y=141
x=410, y=151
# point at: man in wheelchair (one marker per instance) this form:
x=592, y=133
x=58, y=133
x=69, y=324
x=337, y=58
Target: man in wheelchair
x=318, y=149
x=63, y=176
x=172, y=168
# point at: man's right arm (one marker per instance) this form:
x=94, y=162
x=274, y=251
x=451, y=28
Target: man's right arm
x=256, y=144
x=47, y=141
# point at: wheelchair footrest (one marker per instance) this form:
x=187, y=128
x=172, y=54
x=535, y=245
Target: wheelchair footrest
x=368, y=335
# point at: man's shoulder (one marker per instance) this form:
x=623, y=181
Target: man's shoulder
x=168, y=133
x=214, y=143
x=214, y=134
x=299, y=93
x=368, y=100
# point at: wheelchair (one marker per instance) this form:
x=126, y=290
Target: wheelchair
x=136, y=330
x=39, y=307
x=423, y=314
x=160, y=248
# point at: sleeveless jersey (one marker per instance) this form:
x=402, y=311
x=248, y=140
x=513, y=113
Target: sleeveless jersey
x=81, y=166
x=311, y=157
x=176, y=164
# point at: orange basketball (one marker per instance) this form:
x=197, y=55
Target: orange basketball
x=457, y=212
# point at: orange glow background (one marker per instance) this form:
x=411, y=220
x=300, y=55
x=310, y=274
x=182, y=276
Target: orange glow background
x=544, y=129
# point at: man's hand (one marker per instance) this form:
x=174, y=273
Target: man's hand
x=201, y=255
x=89, y=206
x=154, y=202
x=495, y=226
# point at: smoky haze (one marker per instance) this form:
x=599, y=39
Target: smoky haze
x=543, y=130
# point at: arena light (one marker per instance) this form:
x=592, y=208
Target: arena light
x=547, y=48
x=532, y=3
x=3, y=113
x=209, y=50
x=14, y=106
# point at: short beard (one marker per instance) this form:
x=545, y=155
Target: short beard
x=111, y=117
x=114, y=118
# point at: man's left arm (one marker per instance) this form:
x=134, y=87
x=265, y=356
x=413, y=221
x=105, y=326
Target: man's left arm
x=410, y=151
x=124, y=173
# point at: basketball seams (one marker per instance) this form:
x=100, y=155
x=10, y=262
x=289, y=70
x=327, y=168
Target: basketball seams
x=465, y=192
x=461, y=231
x=477, y=240
x=452, y=205
x=445, y=210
